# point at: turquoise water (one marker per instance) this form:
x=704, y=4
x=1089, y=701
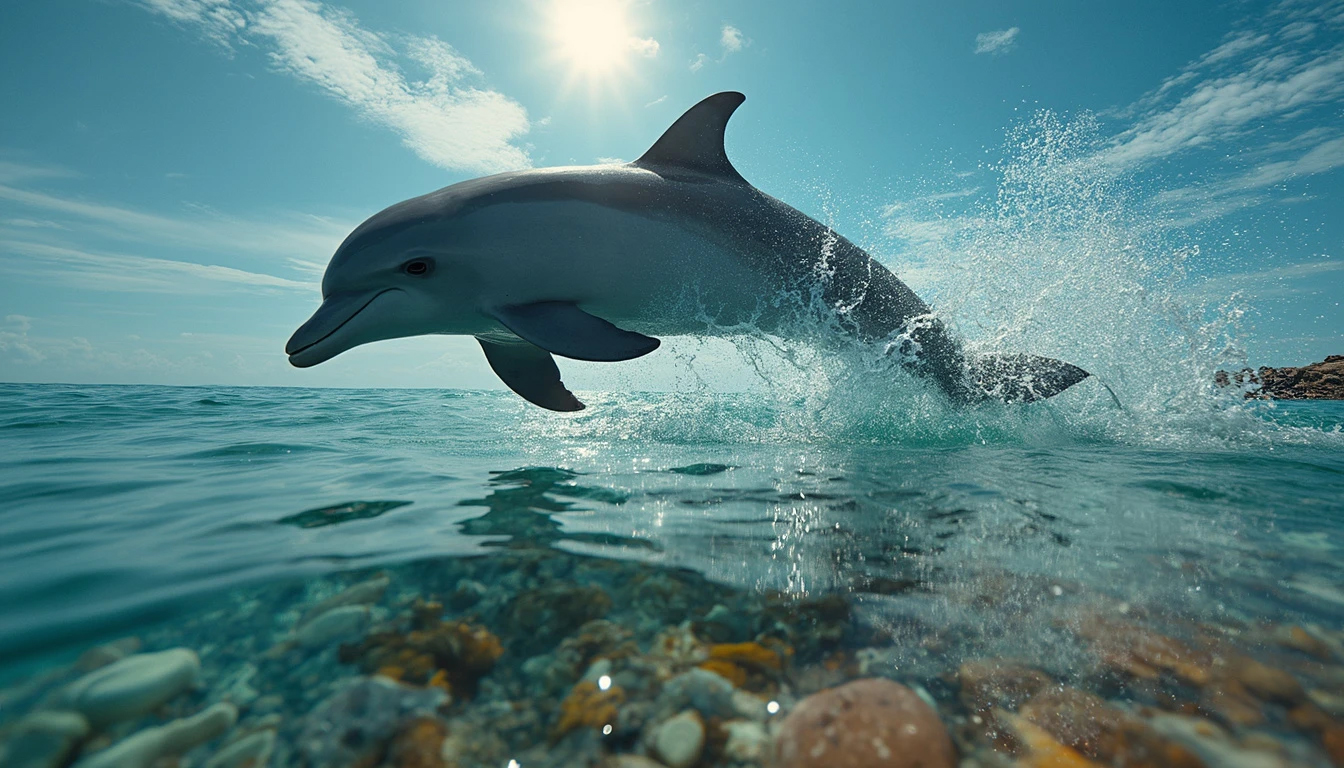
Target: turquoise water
x=138, y=510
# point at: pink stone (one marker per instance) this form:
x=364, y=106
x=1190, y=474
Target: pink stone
x=863, y=724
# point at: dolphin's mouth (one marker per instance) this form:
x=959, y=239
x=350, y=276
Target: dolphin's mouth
x=308, y=346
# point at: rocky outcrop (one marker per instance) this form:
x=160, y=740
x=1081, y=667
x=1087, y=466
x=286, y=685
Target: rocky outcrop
x=1318, y=381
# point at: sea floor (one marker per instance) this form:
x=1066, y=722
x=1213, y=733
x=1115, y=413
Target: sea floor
x=1080, y=605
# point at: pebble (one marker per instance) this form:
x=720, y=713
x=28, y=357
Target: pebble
x=147, y=747
x=336, y=624
x=133, y=686
x=864, y=723
x=251, y=751
x=363, y=593
x=361, y=717
x=44, y=739
x=747, y=741
x=680, y=740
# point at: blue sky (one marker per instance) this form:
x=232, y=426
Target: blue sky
x=174, y=174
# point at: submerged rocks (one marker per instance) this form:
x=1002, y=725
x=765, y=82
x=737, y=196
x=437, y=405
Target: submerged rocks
x=250, y=751
x=146, y=748
x=860, y=724
x=679, y=740
x=361, y=718
x=132, y=686
x=45, y=739
x=336, y=624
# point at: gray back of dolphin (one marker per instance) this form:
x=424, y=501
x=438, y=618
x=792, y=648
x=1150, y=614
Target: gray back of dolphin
x=683, y=188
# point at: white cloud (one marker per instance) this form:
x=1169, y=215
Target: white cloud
x=14, y=173
x=645, y=46
x=284, y=235
x=1229, y=92
x=14, y=338
x=731, y=39
x=121, y=272
x=1274, y=283
x=997, y=42
x=444, y=118
x=656, y=101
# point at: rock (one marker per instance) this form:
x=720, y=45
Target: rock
x=1042, y=751
x=1144, y=654
x=747, y=741
x=1317, y=381
x=860, y=724
x=703, y=691
x=986, y=684
x=364, y=593
x=131, y=687
x=419, y=744
x=336, y=624
x=1212, y=744
x=630, y=761
x=251, y=751
x=360, y=719
x=680, y=740
x=1305, y=641
x=45, y=739
x=147, y=747
x=1268, y=683
x=1107, y=734
x=101, y=655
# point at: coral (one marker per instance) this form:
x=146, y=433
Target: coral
x=587, y=706
x=747, y=665
x=452, y=655
x=727, y=670
x=419, y=744
x=541, y=618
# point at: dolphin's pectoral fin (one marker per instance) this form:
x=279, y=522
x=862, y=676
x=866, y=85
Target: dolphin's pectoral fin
x=528, y=370
x=1021, y=378
x=695, y=141
x=561, y=328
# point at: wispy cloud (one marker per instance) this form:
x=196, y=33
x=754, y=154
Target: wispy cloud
x=444, y=117
x=731, y=40
x=656, y=101
x=202, y=229
x=1276, y=283
x=122, y=272
x=997, y=42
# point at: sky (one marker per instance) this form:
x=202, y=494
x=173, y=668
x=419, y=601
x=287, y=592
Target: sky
x=175, y=174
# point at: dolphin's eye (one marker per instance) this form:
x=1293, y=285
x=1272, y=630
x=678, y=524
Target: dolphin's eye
x=417, y=268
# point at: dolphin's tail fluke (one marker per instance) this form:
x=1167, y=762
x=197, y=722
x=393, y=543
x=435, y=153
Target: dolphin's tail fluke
x=1018, y=378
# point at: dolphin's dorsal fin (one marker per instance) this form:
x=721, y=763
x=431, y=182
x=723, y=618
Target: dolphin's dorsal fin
x=695, y=141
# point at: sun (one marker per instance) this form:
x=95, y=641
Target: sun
x=595, y=38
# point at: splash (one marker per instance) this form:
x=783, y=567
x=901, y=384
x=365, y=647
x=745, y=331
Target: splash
x=1065, y=260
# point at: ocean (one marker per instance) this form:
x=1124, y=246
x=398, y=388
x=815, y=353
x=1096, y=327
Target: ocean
x=776, y=543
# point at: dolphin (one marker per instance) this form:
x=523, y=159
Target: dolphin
x=596, y=262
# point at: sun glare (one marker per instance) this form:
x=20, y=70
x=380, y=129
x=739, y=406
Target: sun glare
x=594, y=37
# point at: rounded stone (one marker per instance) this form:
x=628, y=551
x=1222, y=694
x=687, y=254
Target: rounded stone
x=335, y=624
x=45, y=739
x=680, y=740
x=133, y=686
x=860, y=724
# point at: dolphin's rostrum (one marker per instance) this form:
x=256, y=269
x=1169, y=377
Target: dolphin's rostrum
x=595, y=262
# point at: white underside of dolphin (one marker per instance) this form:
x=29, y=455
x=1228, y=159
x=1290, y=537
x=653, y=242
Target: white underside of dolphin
x=595, y=263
